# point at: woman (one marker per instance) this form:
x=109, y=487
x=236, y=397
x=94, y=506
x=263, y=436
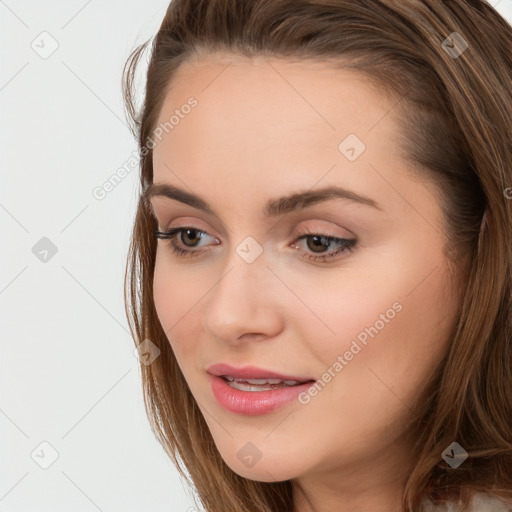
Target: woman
x=321, y=259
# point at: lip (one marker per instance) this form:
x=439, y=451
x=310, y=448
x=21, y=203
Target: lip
x=253, y=403
x=251, y=372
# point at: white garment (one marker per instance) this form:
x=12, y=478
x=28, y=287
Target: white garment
x=479, y=503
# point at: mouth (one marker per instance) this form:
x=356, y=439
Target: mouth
x=253, y=391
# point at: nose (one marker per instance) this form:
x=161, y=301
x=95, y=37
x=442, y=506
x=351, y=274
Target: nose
x=244, y=303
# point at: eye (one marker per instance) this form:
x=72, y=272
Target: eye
x=188, y=234
x=316, y=241
x=190, y=237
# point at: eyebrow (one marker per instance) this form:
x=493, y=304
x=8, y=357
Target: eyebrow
x=273, y=208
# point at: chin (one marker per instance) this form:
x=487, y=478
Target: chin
x=262, y=471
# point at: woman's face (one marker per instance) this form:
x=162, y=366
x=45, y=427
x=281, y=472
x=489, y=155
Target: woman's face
x=369, y=324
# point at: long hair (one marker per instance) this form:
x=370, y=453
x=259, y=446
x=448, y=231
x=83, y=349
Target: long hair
x=455, y=107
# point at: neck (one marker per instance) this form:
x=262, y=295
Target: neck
x=376, y=483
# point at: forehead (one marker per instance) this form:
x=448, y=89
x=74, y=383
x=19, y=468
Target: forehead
x=268, y=121
x=315, y=91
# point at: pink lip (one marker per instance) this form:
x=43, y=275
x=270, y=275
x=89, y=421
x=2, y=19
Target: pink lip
x=253, y=403
x=251, y=372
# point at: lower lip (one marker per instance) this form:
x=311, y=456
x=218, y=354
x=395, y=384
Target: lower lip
x=254, y=403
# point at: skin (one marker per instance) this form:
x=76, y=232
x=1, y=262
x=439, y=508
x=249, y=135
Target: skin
x=263, y=129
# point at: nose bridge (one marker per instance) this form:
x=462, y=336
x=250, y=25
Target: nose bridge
x=245, y=270
x=241, y=300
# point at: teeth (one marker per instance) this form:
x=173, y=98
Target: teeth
x=261, y=382
x=258, y=384
x=247, y=387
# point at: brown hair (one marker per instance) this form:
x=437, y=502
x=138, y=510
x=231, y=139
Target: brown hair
x=456, y=112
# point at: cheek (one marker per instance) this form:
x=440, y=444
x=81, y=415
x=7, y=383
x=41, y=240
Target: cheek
x=396, y=318
x=174, y=296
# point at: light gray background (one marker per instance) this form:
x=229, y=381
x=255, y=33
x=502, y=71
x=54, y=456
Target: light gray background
x=68, y=373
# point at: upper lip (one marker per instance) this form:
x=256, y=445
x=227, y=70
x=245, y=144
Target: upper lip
x=251, y=372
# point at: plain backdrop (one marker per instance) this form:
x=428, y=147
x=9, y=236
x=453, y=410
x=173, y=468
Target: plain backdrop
x=73, y=430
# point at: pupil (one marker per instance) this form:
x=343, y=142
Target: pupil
x=317, y=245
x=194, y=231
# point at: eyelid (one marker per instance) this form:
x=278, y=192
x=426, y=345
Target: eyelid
x=320, y=225
x=185, y=222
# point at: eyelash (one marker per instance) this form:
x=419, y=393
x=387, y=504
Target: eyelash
x=347, y=245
